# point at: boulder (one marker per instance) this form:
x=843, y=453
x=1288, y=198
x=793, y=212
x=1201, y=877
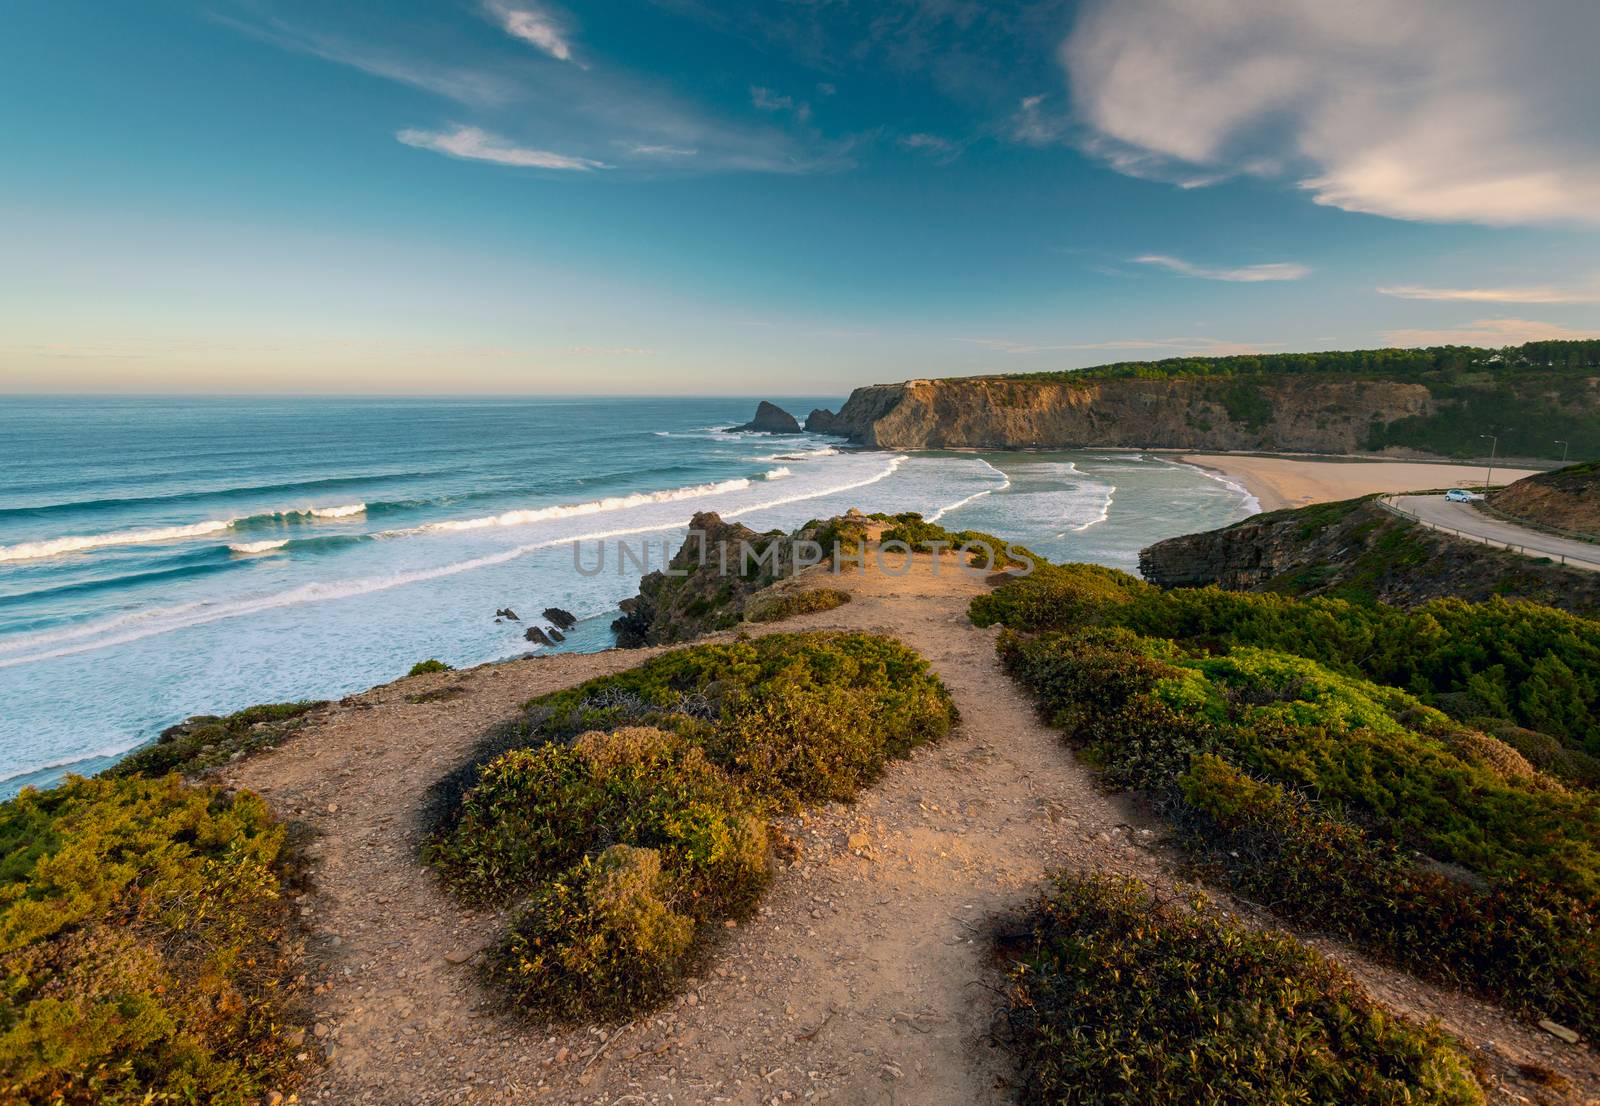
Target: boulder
x=535, y=634
x=771, y=419
x=563, y=619
x=507, y=613
x=555, y=635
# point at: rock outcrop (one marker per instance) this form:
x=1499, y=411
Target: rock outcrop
x=1567, y=499
x=564, y=620
x=770, y=419
x=1357, y=550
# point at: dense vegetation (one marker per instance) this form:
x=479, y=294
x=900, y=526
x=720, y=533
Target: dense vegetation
x=629, y=813
x=432, y=664
x=1384, y=363
x=1256, y=724
x=1117, y=998
x=1521, y=662
x=983, y=550
x=207, y=740
x=145, y=946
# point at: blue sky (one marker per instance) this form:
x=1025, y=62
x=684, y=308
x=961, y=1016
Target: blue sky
x=782, y=197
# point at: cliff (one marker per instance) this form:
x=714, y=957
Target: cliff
x=1567, y=499
x=1437, y=402
x=1356, y=550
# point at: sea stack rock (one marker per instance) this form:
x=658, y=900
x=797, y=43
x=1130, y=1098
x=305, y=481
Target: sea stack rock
x=771, y=419
x=563, y=619
x=823, y=421
x=538, y=636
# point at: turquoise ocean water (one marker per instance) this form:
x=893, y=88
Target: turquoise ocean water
x=163, y=557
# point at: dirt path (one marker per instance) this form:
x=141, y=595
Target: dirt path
x=864, y=979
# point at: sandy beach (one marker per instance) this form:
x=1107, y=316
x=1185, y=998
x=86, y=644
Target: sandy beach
x=1280, y=482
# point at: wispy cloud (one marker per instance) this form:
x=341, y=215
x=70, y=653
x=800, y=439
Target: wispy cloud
x=765, y=99
x=1538, y=294
x=1440, y=110
x=1243, y=274
x=934, y=146
x=473, y=144
x=534, y=25
x=1488, y=332
x=460, y=83
x=651, y=150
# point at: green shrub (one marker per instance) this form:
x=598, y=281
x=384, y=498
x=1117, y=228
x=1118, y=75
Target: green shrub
x=601, y=943
x=986, y=550
x=422, y=668
x=673, y=763
x=538, y=812
x=1374, y=752
x=1545, y=753
x=206, y=741
x=146, y=950
x=1535, y=949
x=1118, y=998
x=776, y=608
x=1522, y=662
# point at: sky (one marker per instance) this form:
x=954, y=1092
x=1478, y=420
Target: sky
x=777, y=197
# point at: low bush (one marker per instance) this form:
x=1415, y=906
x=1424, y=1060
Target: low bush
x=632, y=817
x=1057, y=597
x=206, y=740
x=599, y=943
x=1117, y=998
x=776, y=608
x=146, y=950
x=1535, y=949
x=422, y=668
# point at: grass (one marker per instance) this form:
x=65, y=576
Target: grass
x=629, y=815
x=146, y=950
x=788, y=604
x=1117, y=998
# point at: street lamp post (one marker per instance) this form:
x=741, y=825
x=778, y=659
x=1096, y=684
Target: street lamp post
x=1494, y=444
x=1565, y=446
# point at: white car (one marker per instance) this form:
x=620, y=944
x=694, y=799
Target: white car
x=1461, y=495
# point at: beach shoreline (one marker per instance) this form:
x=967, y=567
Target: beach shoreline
x=1279, y=482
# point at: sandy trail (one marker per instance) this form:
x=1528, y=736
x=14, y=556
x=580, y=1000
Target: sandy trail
x=865, y=978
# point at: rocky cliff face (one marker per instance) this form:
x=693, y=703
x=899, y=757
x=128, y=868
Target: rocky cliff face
x=1567, y=499
x=1356, y=550
x=1319, y=414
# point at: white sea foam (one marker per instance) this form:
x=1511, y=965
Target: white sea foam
x=572, y=510
x=1252, y=505
x=146, y=624
x=81, y=543
x=801, y=454
x=259, y=546
x=56, y=547
x=1105, y=510
x=1005, y=482
x=778, y=473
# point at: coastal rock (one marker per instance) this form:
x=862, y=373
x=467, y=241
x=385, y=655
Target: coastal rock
x=1357, y=549
x=823, y=421
x=563, y=619
x=771, y=419
x=554, y=634
x=507, y=613
x=535, y=634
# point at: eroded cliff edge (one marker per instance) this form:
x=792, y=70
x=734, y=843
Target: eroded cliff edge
x=1400, y=401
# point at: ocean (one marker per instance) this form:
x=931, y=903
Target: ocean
x=164, y=557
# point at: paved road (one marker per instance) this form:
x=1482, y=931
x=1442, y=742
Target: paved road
x=1471, y=523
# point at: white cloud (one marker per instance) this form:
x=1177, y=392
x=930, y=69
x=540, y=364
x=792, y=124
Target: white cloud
x=1243, y=274
x=935, y=146
x=649, y=150
x=1539, y=294
x=1441, y=110
x=1488, y=332
x=767, y=100
x=473, y=144
x=533, y=25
